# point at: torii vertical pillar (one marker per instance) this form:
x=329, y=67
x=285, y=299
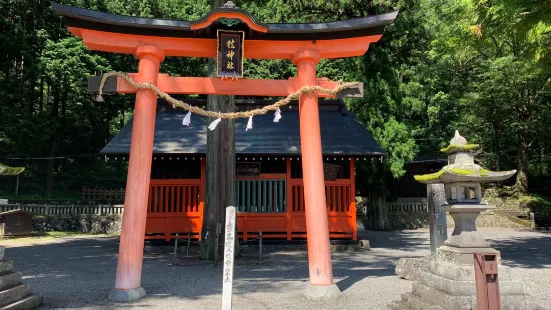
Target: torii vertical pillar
x=317, y=229
x=129, y=267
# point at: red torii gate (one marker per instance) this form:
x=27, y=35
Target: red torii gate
x=151, y=40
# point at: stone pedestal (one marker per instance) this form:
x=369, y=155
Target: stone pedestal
x=14, y=294
x=412, y=268
x=452, y=286
x=449, y=283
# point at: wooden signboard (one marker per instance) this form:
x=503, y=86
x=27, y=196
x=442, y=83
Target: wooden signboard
x=230, y=54
x=247, y=169
x=229, y=246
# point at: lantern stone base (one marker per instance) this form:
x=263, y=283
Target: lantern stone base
x=463, y=255
x=451, y=286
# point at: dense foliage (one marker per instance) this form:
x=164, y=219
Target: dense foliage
x=480, y=66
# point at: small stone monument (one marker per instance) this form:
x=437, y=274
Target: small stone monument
x=450, y=281
x=14, y=294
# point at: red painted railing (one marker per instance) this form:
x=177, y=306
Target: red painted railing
x=175, y=207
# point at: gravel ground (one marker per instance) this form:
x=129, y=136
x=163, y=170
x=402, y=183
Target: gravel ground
x=78, y=273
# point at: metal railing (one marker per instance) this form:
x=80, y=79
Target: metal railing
x=407, y=207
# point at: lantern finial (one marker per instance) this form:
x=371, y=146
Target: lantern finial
x=458, y=139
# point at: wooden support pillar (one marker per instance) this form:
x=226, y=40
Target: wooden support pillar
x=353, y=212
x=317, y=230
x=129, y=266
x=289, y=194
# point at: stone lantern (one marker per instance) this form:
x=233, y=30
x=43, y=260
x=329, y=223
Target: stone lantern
x=462, y=179
x=449, y=280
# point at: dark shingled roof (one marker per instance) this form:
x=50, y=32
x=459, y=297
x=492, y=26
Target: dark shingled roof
x=95, y=20
x=341, y=133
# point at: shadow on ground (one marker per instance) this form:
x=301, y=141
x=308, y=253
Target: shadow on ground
x=79, y=273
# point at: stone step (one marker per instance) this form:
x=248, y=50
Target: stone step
x=516, y=302
x=443, y=299
x=27, y=303
x=10, y=280
x=6, y=266
x=397, y=305
x=13, y=294
x=416, y=303
x=454, y=287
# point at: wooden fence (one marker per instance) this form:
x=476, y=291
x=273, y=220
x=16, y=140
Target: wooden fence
x=65, y=210
x=102, y=194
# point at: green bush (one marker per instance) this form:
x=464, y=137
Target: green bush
x=540, y=206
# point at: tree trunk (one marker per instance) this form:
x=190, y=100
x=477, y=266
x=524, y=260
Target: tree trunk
x=521, y=184
x=50, y=169
x=41, y=95
x=121, y=119
x=523, y=136
x=220, y=174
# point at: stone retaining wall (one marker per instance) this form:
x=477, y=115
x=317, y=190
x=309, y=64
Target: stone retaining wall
x=92, y=224
x=414, y=220
x=489, y=218
x=408, y=220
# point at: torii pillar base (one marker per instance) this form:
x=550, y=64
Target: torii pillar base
x=127, y=295
x=315, y=292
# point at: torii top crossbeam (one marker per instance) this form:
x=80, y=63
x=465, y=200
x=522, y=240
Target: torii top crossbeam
x=123, y=34
x=229, y=35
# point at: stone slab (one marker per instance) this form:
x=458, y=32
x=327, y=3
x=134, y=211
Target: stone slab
x=314, y=292
x=127, y=295
x=442, y=299
x=397, y=305
x=412, y=268
x=416, y=303
x=364, y=245
x=13, y=294
x=27, y=303
x=458, y=288
x=10, y=280
x=463, y=272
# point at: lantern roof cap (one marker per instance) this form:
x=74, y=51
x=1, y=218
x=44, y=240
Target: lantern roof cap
x=6, y=170
x=459, y=144
x=462, y=173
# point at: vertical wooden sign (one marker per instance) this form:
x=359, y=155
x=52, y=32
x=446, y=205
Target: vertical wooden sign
x=230, y=54
x=229, y=246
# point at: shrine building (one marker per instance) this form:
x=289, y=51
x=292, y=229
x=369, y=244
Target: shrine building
x=269, y=187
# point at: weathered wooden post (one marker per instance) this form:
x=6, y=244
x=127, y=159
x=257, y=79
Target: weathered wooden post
x=487, y=284
x=229, y=245
x=220, y=183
